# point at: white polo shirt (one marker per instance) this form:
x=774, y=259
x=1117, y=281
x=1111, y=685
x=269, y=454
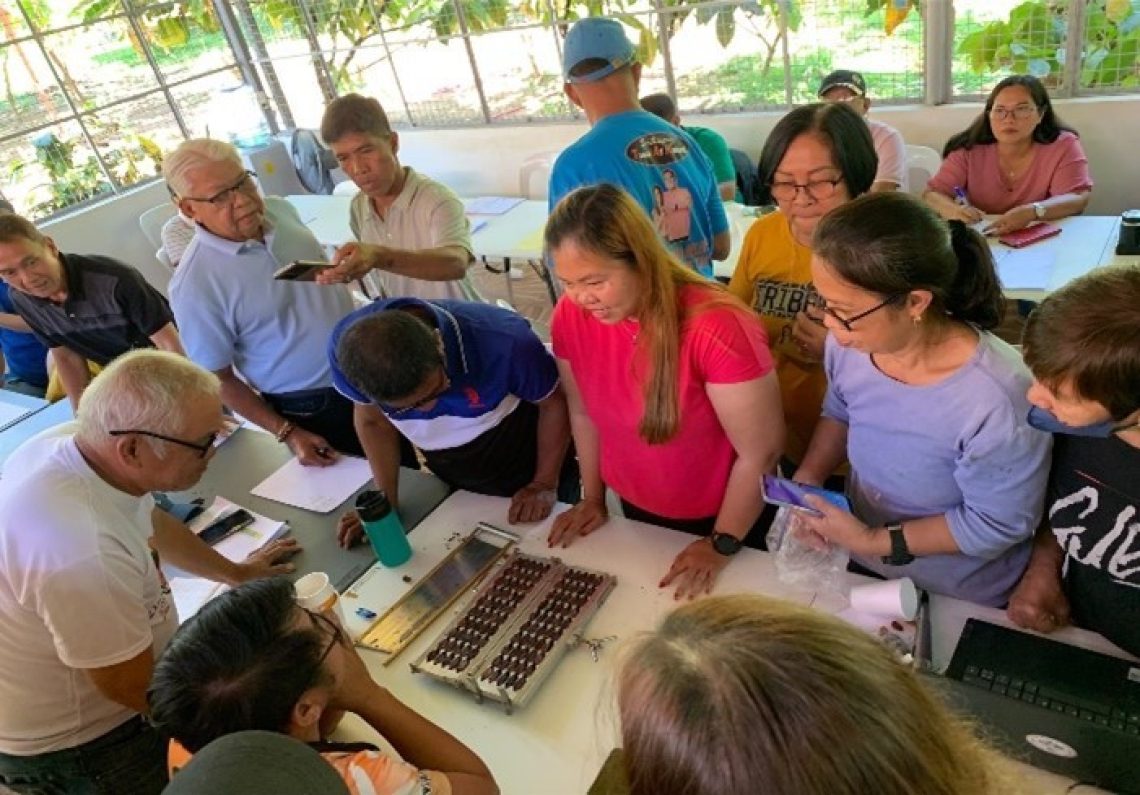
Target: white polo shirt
x=425, y=215
x=79, y=589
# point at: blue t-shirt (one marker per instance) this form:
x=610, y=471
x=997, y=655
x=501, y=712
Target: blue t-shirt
x=26, y=356
x=959, y=448
x=493, y=360
x=662, y=167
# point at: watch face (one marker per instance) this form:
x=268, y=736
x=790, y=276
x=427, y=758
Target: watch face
x=726, y=544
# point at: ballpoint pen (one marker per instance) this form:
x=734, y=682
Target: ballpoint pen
x=960, y=196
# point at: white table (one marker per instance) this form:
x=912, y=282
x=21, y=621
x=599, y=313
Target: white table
x=556, y=744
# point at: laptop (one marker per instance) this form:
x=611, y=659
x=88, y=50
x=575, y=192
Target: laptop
x=1061, y=708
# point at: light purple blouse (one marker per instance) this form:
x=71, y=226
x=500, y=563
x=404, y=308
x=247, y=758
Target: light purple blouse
x=960, y=448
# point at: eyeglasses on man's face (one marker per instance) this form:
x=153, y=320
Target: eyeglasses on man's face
x=431, y=397
x=818, y=189
x=226, y=195
x=847, y=322
x=1019, y=112
x=203, y=448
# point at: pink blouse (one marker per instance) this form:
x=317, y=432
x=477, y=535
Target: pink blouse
x=1057, y=168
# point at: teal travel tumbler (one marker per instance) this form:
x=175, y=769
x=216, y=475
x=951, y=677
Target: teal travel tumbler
x=384, y=529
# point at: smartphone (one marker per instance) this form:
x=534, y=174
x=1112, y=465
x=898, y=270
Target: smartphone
x=301, y=271
x=226, y=526
x=790, y=494
x=1030, y=234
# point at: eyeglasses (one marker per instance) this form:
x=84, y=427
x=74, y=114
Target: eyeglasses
x=436, y=394
x=818, y=189
x=847, y=321
x=226, y=195
x=1021, y=112
x=203, y=448
x=326, y=625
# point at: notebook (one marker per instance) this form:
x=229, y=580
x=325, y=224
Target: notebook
x=1058, y=707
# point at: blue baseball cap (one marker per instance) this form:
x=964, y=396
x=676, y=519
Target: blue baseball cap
x=596, y=38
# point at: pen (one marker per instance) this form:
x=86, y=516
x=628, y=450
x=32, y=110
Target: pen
x=960, y=196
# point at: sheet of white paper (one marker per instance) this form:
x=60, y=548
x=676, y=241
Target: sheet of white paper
x=190, y=593
x=238, y=546
x=1029, y=268
x=9, y=412
x=491, y=205
x=319, y=489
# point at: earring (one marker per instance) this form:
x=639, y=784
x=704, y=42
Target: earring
x=917, y=319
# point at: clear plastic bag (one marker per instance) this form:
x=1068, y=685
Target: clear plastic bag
x=800, y=564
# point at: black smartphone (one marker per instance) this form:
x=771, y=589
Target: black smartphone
x=302, y=270
x=226, y=526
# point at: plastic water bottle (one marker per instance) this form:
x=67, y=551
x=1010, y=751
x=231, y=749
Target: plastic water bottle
x=238, y=116
x=384, y=529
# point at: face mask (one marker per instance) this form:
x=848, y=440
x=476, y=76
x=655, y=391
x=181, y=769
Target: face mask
x=1042, y=420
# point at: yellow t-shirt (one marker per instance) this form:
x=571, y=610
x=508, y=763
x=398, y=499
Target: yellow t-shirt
x=773, y=276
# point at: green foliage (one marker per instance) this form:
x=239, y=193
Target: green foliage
x=1033, y=40
x=130, y=159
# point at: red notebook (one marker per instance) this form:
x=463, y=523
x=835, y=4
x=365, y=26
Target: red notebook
x=1030, y=234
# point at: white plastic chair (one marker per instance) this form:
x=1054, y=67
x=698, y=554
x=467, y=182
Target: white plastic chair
x=922, y=163
x=151, y=222
x=536, y=166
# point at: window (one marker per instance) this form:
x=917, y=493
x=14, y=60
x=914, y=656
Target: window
x=93, y=94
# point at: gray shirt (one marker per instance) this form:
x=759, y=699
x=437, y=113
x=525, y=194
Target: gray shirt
x=960, y=448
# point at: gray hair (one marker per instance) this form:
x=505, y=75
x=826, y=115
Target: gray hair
x=196, y=153
x=143, y=390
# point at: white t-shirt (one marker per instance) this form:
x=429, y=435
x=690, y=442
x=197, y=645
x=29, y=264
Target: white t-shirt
x=891, y=149
x=79, y=589
x=425, y=215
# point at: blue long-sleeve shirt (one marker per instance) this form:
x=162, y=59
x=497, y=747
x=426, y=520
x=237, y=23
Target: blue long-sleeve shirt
x=959, y=448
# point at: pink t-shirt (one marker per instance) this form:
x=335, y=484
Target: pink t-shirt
x=891, y=149
x=1058, y=168
x=683, y=478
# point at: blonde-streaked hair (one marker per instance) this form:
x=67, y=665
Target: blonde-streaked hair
x=736, y=695
x=196, y=153
x=607, y=221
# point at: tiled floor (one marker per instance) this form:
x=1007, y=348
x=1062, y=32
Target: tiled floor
x=531, y=298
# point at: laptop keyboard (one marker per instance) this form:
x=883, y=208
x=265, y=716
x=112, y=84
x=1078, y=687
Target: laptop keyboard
x=1043, y=696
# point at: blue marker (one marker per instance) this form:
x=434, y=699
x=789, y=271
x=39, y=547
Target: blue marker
x=960, y=196
x=365, y=613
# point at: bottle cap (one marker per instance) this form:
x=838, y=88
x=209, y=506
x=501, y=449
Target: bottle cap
x=372, y=505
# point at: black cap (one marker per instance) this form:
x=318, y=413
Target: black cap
x=843, y=78
x=257, y=763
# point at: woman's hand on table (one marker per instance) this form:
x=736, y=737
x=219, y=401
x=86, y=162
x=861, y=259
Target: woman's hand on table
x=836, y=526
x=1039, y=602
x=1011, y=221
x=581, y=520
x=964, y=213
x=694, y=570
x=349, y=530
x=532, y=503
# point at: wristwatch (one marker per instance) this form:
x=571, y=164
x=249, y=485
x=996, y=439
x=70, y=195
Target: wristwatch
x=1039, y=210
x=900, y=554
x=725, y=543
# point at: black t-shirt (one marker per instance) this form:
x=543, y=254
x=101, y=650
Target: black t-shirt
x=110, y=309
x=1094, y=512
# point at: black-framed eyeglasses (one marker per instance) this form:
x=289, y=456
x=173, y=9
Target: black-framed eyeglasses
x=847, y=321
x=436, y=394
x=818, y=189
x=1021, y=112
x=325, y=625
x=203, y=448
x=225, y=195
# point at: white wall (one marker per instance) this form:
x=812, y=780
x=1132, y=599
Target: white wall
x=112, y=228
x=486, y=161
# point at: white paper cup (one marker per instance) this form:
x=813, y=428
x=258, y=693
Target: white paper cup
x=315, y=592
x=889, y=599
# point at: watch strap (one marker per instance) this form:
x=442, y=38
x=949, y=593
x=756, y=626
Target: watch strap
x=725, y=543
x=900, y=552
